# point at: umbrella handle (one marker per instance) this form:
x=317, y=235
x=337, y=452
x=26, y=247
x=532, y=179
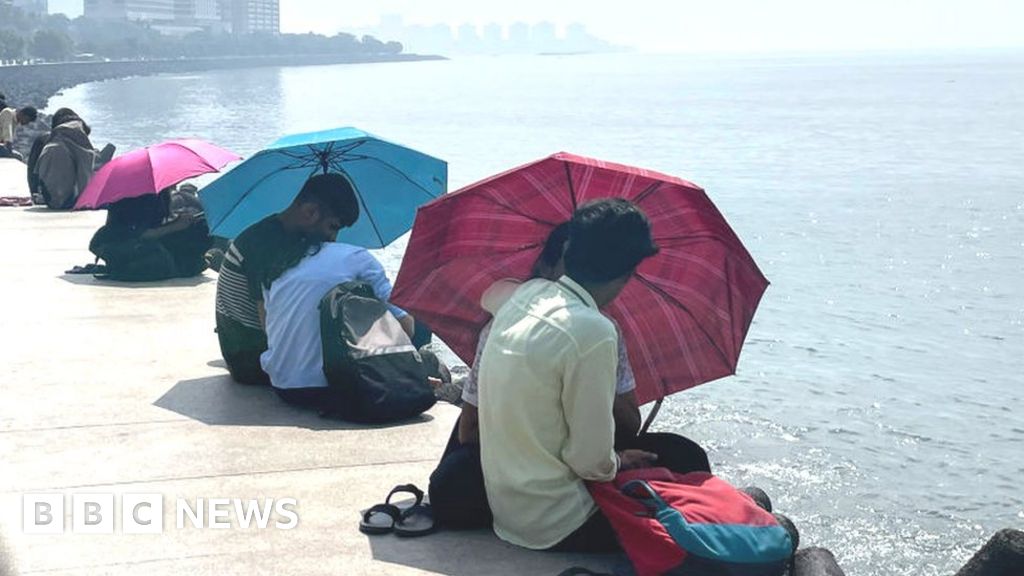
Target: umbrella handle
x=651, y=416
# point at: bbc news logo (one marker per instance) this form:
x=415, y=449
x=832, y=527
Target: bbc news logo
x=144, y=513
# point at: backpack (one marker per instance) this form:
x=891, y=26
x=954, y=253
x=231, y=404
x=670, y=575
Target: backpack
x=370, y=359
x=692, y=523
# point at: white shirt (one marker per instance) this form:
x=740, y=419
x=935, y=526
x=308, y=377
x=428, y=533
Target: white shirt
x=294, y=356
x=8, y=122
x=547, y=385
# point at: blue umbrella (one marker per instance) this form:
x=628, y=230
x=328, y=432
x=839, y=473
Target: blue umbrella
x=390, y=180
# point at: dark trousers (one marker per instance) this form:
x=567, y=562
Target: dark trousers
x=456, y=489
x=241, y=347
x=245, y=367
x=459, y=501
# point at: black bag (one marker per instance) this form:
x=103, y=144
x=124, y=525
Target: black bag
x=370, y=359
x=188, y=248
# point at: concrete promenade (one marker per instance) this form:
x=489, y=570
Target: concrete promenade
x=119, y=389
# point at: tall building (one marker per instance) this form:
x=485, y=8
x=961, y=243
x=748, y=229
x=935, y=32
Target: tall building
x=203, y=13
x=252, y=16
x=542, y=37
x=238, y=16
x=156, y=11
x=519, y=36
x=494, y=37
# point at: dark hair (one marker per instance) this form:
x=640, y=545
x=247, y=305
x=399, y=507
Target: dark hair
x=139, y=213
x=334, y=193
x=30, y=113
x=608, y=238
x=554, y=246
x=65, y=115
x=331, y=192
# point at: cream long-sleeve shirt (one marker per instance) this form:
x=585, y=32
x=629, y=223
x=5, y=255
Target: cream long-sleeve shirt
x=547, y=384
x=8, y=122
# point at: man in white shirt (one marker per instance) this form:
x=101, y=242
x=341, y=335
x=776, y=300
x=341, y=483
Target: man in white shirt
x=547, y=388
x=294, y=280
x=294, y=356
x=10, y=119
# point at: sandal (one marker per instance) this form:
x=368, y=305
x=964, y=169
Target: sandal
x=382, y=518
x=417, y=520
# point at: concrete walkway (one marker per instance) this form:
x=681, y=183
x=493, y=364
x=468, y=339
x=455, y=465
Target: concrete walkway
x=119, y=389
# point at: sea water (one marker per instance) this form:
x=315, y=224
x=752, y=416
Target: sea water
x=879, y=394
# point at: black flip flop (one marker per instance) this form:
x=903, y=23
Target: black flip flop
x=382, y=518
x=417, y=520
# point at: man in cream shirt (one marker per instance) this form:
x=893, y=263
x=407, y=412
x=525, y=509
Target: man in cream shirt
x=547, y=385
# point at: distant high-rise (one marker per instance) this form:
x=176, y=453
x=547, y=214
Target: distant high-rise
x=252, y=16
x=493, y=36
x=157, y=11
x=203, y=13
x=467, y=36
x=542, y=37
x=519, y=36
x=175, y=16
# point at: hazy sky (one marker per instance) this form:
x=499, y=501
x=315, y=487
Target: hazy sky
x=699, y=25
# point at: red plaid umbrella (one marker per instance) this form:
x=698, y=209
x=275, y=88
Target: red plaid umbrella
x=685, y=314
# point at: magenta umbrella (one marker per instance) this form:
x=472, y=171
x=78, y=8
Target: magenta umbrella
x=151, y=169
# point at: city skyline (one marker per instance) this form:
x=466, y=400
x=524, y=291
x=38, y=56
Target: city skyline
x=488, y=38
x=689, y=26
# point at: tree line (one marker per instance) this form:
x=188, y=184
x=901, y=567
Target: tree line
x=56, y=38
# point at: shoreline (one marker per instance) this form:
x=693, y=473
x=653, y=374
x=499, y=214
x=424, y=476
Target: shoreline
x=35, y=84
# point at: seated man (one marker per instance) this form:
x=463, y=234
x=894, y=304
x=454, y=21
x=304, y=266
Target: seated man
x=457, y=486
x=10, y=119
x=297, y=277
x=315, y=216
x=547, y=388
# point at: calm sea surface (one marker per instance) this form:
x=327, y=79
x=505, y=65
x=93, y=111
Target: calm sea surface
x=879, y=399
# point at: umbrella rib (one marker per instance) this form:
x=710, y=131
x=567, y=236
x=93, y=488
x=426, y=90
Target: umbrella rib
x=366, y=210
x=647, y=192
x=517, y=212
x=249, y=191
x=392, y=168
x=572, y=187
x=352, y=146
x=304, y=160
x=653, y=288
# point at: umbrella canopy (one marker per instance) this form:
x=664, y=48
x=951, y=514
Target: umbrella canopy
x=390, y=180
x=685, y=314
x=151, y=169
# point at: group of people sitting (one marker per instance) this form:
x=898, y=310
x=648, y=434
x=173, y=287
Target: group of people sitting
x=549, y=402
x=271, y=281
x=60, y=161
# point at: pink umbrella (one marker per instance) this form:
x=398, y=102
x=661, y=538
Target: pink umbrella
x=151, y=169
x=685, y=314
